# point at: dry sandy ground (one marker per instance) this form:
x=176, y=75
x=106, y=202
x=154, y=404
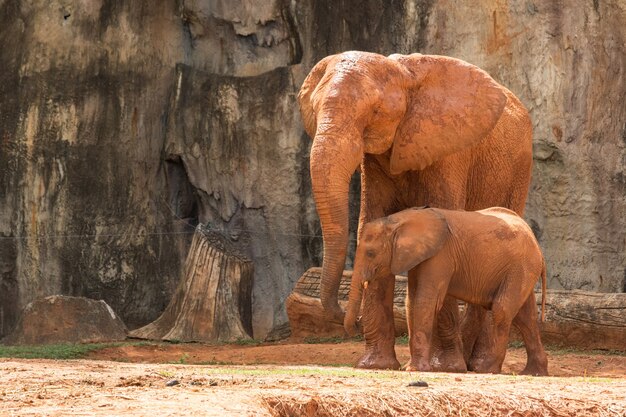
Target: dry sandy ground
x=219, y=385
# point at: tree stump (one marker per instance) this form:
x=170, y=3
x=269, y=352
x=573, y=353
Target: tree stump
x=213, y=301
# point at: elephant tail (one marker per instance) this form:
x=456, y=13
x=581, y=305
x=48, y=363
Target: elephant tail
x=543, y=291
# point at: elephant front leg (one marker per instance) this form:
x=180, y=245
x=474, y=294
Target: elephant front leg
x=447, y=354
x=420, y=325
x=419, y=346
x=378, y=326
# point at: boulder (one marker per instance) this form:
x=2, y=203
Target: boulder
x=64, y=319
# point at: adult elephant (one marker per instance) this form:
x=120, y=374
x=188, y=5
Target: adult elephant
x=425, y=130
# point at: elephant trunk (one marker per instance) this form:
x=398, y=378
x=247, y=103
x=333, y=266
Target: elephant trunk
x=354, y=305
x=334, y=158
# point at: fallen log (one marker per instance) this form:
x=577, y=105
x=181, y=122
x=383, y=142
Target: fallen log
x=584, y=320
x=212, y=302
x=574, y=319
x=306, y=314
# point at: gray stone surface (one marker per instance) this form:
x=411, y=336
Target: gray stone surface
x=123, y=124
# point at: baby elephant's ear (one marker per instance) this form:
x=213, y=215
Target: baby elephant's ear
x=417, y=237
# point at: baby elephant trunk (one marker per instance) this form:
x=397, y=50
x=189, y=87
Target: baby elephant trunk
x=350, y=322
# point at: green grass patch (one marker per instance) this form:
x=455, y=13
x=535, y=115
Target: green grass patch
x=331, y=340
x=60, y=351
x=321, y=371
x=245, y=342
x=216, y=363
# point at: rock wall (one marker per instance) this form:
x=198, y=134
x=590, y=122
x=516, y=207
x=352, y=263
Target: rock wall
x=123, y=124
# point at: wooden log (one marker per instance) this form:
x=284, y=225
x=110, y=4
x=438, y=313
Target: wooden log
x=306, y=314
x=585, y=320
x=575, y=319
x=212, y=302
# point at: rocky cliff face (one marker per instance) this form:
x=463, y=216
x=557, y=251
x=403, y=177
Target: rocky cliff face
x=123, y=124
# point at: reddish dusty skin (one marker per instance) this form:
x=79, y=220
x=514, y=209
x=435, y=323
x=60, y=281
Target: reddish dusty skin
x=487, y=257
x=425, y=130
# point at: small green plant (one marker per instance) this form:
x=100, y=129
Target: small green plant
x=183, y=358
x=402, y=340
x=246, y=342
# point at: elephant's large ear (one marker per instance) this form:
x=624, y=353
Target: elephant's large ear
x=416, y=238
x=451, y=105
x=306, y=94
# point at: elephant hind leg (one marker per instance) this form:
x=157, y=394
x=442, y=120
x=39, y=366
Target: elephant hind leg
x=472, y=325
x=526, y=323
x=447, y=355
x=491, y=347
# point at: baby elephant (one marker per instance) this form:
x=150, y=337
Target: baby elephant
x=488, y=257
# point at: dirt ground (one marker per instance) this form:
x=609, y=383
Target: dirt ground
x=291, y=379
x=341, y=354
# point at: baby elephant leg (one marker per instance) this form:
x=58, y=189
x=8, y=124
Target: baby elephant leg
x=378, y=326
x=420, y=317
x=426, y=294
x=490, y=348
x=448, y=351
x=473, y=326
x=526, y=322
